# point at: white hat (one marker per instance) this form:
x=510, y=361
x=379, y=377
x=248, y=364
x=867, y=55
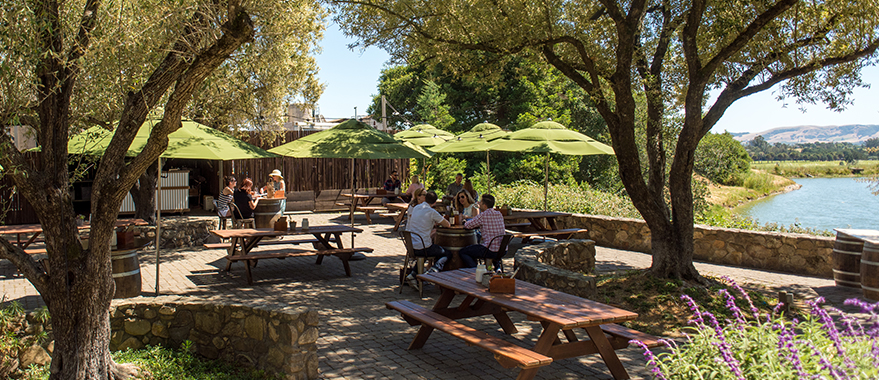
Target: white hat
x=276, y=172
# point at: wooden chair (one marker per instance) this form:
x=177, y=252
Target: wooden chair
x=223, y=219
x=237, y=221
x=501, y=252
x=410, y=256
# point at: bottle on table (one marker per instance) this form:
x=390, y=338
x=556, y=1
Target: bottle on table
x=480, y=271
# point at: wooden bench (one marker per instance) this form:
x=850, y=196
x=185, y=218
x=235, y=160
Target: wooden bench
x=558, y=234
x=624, y=334
x=263, y=242
x=517, y=226
x=34, y=251
x=343, y=254
x=508, y=354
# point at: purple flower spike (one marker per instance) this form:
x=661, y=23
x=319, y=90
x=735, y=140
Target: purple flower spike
x=697, y=315
x=744, y=295
x=651, y=359
x=731, y=304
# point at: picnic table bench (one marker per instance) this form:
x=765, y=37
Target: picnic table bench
x=556, y=312
x=559, y=234
x=243, y=241
x=539, y=223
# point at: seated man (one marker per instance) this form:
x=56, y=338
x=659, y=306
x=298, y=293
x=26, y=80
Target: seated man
x=453, y=189
x=391, y=185
x=491, y=223
x=422, y=219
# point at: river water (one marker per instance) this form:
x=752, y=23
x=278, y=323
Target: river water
x=822, y=203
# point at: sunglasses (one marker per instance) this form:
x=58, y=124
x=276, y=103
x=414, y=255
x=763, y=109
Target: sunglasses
x=462, y=197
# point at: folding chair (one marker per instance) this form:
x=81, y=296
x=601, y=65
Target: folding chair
x=223, y=219
x=501, y=252
x=237, y=220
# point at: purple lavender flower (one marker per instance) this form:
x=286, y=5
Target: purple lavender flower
x=651, y=359
x=786, y=342
x=697, y=315
x=744, y=295
x=731, y=304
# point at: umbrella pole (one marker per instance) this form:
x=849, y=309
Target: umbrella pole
x=546, y=184
x=488, y=168
x=353, y=199
x=158, y=220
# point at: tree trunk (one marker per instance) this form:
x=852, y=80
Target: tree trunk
x=143, y=193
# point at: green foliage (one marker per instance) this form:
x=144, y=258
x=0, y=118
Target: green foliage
x=751, y=346
x=760, y=150
x=167, y=364
x=799, y=169
x=432, y=108
x=438, y=171
x=567, y=198
x=722, y=159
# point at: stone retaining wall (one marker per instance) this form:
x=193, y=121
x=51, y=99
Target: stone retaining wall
x=559, y=265
x=784, y=252
x=182, y=232
x=278, y=341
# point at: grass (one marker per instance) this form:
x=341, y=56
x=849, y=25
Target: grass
x=799, y=169
x=565, y=198
x=661, y=311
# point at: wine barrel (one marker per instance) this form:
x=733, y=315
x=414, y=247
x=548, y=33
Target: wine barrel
x=126, y=273
x=452, y=240
x=870, y=270
x=846, y=259
x=267, y=212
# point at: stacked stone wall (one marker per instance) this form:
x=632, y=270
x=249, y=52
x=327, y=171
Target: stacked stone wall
x=278, y=341
x=562, y=266
x=783, y=252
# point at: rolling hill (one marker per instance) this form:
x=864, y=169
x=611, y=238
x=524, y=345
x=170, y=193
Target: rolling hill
x=853, y=133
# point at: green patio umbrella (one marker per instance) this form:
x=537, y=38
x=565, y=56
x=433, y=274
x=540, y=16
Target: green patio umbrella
x=191, y=141
x=350, y=139
x=424, y=135
x=549, y=137
x=477, y=139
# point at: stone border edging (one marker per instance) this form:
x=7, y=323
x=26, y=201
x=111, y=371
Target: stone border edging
x=534, y=263
x=281, y=341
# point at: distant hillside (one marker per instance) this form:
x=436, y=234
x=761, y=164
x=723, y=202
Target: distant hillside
x=854, y=133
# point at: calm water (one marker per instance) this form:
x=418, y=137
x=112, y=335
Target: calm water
x=822, y=203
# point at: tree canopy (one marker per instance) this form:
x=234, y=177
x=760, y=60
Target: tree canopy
x=71, y=64
x=669, y=52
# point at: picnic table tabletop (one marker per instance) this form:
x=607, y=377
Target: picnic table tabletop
x=535, y=214
x=37, y=229
x=268, y=232
x=537, y=302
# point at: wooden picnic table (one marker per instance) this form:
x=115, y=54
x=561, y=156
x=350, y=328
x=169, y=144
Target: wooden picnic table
x=34, y=230
x=540, y=223
x=244, y=240
x=555, y=311
x=361, y=202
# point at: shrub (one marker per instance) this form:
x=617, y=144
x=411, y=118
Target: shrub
x=771, y=347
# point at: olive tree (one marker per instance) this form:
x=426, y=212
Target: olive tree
x=67, y=65
x=670, y=52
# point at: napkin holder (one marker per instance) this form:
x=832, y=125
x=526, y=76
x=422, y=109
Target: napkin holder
x=281, y=224
x=502, y=284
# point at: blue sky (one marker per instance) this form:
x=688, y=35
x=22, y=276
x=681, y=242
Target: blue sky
x=351, y=78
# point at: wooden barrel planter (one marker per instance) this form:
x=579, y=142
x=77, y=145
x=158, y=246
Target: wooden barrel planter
x=452, y=240
x=267, y=212
x=870, y=270
x=126, y=273
x=847, y=260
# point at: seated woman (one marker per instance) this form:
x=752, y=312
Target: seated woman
x=468, y=186
x=465, y=204
x=244, y=199
x=226, y=198
x=415, y=185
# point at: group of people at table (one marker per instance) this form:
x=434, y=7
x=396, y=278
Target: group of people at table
x=423, y=219
x=244, y=197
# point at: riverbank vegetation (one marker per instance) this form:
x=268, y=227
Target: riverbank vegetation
x=800, y=169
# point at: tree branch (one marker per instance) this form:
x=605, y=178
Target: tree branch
x=25, y=263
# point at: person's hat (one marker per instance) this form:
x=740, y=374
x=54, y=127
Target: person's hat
x=276, y=172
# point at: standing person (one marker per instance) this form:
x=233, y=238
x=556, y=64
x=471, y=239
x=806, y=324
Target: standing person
x=226, y=198
x=415, y=185
x=456, y=186
x=468, y=186
x=391, y=185
x=422, y=219
x=466, y=205
x=491, y=223
x=244, y=199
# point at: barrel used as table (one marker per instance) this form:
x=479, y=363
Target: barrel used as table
x=126, y=273
x=452, y=240
x=846, y=259
x=870, y=270
x=267, y=212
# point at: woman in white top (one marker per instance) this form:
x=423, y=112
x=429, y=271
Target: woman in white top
x=465, y=204
x=226, y=198
x=277, y=182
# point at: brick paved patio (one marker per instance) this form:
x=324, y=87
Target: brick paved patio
x=359, y=337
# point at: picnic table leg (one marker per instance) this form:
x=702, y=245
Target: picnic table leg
x=607, y=353
x=231, y=250
x=544, y=344
x=325, y=241
x=29, y=241
x=345, y=257
x=504, y=320
x=354, y=201
x=551, y=222
x=399, y=219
